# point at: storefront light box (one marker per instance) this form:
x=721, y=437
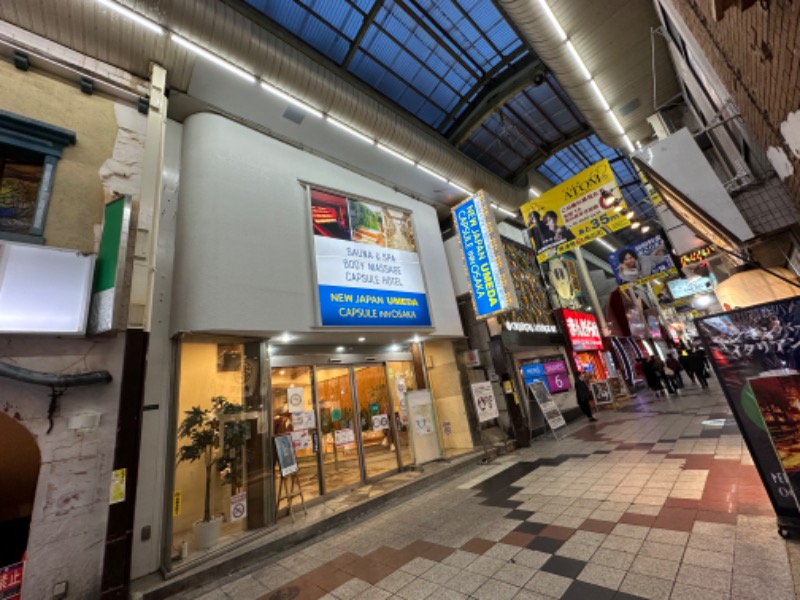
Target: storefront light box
x=368, y=268
x=44, y=290
x=484, y=259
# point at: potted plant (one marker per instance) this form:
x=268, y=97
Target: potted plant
x=201, y=428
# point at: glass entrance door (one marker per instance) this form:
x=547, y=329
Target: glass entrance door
x=358, y=440
x=378, y=440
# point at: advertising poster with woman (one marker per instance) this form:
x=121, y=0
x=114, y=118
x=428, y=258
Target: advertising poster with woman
x=642, y=261
x=575, y=212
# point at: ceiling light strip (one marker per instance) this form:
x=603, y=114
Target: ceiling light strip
x=291, y=99
x=132, y=16
x=576, y=59
x=351, y=131
x=431, y=173
x=181, y=41
x=460, y=189
x=396, y=154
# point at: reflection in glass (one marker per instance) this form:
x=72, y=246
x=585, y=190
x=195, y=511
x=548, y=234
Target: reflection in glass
x=219, y=485
x=293, y=412
x=340, y=460
x=376, y=420
x=401, y=380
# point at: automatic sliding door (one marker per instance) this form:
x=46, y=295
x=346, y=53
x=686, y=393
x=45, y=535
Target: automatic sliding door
x=341, y=466
x=376, y=419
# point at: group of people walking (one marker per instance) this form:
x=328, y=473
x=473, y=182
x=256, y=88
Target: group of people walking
x=667, y=376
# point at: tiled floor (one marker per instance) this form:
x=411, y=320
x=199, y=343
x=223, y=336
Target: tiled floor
x=650, y=502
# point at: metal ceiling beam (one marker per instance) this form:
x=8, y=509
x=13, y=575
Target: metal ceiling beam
x=517, y=77
x=373, y=12
x=550, y=151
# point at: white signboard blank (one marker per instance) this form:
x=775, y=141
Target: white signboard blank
x=44, y=290
x=420, y=407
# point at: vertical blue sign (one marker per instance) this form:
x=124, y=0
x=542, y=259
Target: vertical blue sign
x=483, y=265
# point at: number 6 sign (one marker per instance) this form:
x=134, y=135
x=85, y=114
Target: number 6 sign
x=485, y=404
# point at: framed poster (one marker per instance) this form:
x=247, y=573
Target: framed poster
x=642, y=261
x=284, y=450
x=367, y=264
x=546, y=403
x=485, y=403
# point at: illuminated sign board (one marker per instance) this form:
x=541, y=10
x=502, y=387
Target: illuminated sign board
x=696, y=256
x=642, y=261
x=680, y=288
x=550, y=370
x=582, y=330
x=368, y=269
x=483, y=257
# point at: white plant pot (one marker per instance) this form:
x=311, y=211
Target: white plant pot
x=206, y=534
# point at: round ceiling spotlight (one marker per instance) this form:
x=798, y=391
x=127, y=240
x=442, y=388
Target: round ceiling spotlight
x=629, y=214
x=607, y=199
x=636, y=225
x=646, y=228
x=619, y=208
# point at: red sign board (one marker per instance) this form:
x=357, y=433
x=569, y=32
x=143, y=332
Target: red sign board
x=582, y=330
x=11, y=581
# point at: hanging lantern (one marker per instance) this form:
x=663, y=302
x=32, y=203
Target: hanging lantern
x=751, y=286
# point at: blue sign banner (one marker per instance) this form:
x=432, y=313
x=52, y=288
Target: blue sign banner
x=483, y=265
x=362, y=307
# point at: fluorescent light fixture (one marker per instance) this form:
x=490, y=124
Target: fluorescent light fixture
x=505, y=211
x=599, y=94
x=460, y=189
x=553, y=21
x=340, y=348
x=291, y=100
x=616, y=122
x=629, y=214
x=628, y=143
x=431, y=173
x=396, y=154
x=607, y=245
x=536, y=193
x=132, y=16
x=351, y=131
x=578, y=62
x=212, y=57
x=362, y=339
x=635, y=225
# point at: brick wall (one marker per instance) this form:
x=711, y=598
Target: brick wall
x=756, y=54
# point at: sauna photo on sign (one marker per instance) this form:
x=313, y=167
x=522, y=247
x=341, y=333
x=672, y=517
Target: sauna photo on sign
x=329, y=215
x=366, y=223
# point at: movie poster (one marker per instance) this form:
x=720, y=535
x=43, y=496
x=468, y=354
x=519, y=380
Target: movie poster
x=758, y=341
x=575, y=212
x=778, y=399
x=642, y=261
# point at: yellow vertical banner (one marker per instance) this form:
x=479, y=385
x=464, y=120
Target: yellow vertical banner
x=575, y=212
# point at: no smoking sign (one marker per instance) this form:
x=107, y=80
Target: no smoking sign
x=238, y=506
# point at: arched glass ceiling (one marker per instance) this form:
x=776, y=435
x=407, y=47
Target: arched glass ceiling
x=438, y=60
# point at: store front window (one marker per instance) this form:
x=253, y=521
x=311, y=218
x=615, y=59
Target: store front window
x=220, y=490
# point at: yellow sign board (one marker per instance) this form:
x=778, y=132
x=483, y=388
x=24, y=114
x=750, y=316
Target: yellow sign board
x=576, y=212
x=177, y=503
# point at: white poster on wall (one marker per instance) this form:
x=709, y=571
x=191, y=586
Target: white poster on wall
x=485, y=403
x=303, y=420
x=380, y=422
x=295, y=396
x=344, y=437
x=421, y=413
